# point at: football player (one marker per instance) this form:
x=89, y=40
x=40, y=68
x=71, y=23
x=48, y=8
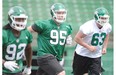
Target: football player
x=16, y=41
x=92, y=39
x=53, y=34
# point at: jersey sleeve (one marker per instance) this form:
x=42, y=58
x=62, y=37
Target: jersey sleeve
x=85, y=29
x=30, y=38
x=4, y=37
x=109, y=29
x=38, y=26
x=69, y=29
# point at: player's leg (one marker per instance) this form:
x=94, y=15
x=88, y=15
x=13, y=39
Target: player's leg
x=86, y=74
x=102, y=69
x=80, y=64
x=50, y=65
x=61, y=73
x=41, y=72
x=4, y=74
x=62, y=62
x=63, y=59
x=95, y=68
x=19, y=73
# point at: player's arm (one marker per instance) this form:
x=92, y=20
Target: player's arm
x=30, y=29
x=69, y=37
x=104, y=50
x=69, y=40
x=3, y=61
x=28, y=55
x=79, y=39
x=106, y=41
x=10, y=65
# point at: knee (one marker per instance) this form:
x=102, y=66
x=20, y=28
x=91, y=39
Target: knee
x=61, y=73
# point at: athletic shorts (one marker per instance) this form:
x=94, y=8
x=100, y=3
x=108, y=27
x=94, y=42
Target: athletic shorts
x=48, y=65
x=83, y=65
x=19, y=73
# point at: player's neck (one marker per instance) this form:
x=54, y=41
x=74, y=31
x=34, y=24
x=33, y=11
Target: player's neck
x=99, y=26
x=58, y=24
x=16, y=33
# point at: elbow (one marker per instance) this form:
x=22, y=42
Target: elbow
x=76, y=39
x=30, y=29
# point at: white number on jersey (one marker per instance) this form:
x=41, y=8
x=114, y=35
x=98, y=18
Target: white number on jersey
x=12, y=51
x=55, y=35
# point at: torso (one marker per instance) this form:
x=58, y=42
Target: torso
x=15, y=46
x=52, y=39
x=95, y=37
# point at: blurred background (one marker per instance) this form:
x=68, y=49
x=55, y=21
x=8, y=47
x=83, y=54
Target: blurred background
x=79, y=11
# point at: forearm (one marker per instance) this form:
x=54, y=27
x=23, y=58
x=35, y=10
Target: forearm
x=106, y=42
x=3, y=61
x=79, y=39
x=82, y=43
x=28, y=55
x=28, y=58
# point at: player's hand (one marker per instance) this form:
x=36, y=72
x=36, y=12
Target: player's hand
x=69, y=40
x=92, y=48
x=27, y=71
x=11, y=65
x=104, y=51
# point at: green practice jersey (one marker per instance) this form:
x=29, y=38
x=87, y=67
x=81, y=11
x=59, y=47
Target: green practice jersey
x=4, y=37
x=14, y=47
x=51, y=37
